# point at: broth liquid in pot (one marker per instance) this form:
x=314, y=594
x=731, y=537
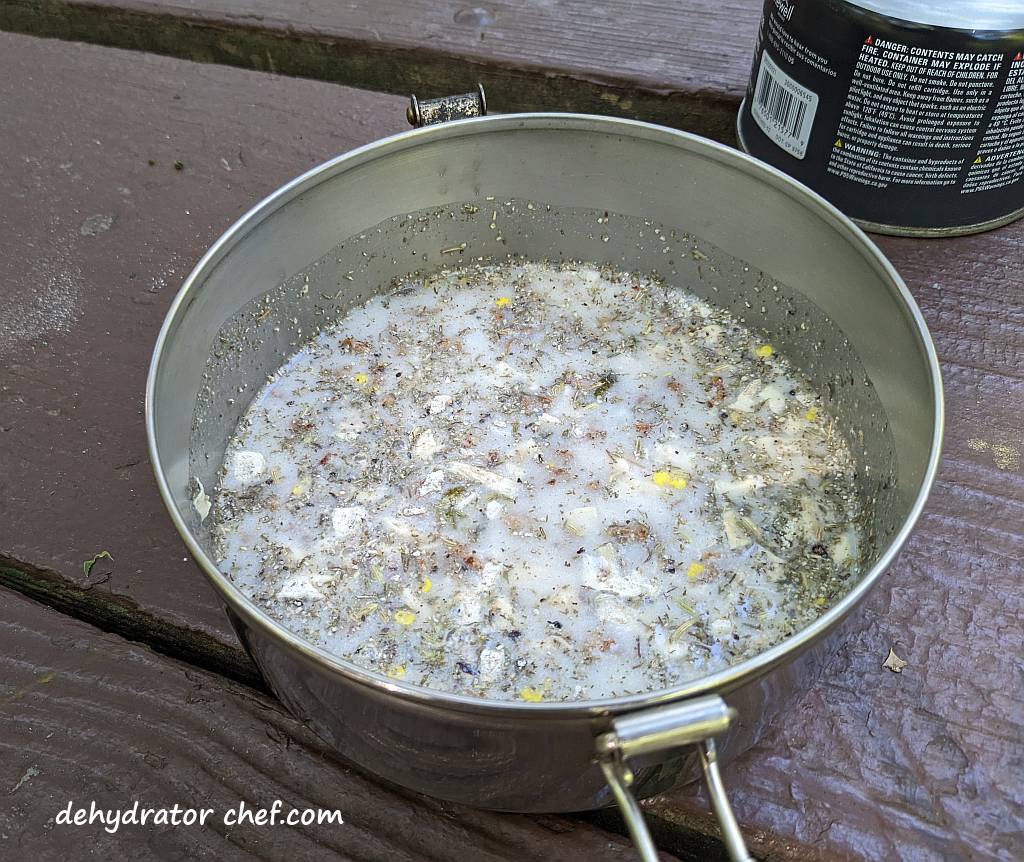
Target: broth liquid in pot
x=539, y=482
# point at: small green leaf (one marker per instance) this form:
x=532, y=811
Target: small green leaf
x=88, y=564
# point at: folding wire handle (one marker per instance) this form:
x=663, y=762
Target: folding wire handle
x=691, y=722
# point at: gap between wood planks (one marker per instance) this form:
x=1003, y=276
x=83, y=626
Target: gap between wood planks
x=91, y=719
x=118, y=615
x=514, y=82
x=697, y=840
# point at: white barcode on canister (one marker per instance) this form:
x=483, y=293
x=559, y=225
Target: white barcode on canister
x=783, y=108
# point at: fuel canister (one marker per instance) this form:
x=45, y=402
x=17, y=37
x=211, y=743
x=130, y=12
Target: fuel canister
x=908, y=115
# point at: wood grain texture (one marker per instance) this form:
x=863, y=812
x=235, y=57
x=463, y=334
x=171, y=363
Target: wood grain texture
x=96, y=243
x=87, y=716
x=927, y=764
x=870, y=765
x=684, y=64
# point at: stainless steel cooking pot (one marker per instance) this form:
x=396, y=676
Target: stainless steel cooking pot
x=782, y=258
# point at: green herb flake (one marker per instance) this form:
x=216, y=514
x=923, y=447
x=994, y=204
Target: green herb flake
x=604, y=383
x=447, y=509
x=88, y=564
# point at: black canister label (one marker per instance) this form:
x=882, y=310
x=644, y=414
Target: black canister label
x=898, y=124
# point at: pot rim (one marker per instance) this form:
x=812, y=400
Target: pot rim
x=721, y=681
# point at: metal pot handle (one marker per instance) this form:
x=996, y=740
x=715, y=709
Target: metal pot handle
x=691, y=722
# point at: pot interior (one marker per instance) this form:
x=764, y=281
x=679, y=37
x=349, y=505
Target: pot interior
x=703, y=217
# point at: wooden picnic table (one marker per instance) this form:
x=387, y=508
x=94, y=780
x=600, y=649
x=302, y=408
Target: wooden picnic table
x=125, y=682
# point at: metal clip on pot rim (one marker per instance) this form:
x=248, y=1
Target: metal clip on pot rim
x=661, y=728
x=429, y=112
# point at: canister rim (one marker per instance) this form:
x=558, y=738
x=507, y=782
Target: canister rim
x=998, y=15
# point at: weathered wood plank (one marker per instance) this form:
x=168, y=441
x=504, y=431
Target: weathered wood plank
x=917, y=766
x=925, y=765
x=683, y=64
x=87, y=716
x=867, y=764
x=96, y=242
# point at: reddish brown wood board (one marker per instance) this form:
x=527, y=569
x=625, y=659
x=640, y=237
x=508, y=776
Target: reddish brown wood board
x=88, y=717
x=685, y=64
x=96, y=242
x=926, y=764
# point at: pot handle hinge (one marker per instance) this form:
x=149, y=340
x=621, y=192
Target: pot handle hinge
x=432, y=111
x=691, y=722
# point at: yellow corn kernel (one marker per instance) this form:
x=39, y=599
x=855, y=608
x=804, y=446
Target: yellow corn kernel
x=811, y=414
x=396, y=672
x=695, y=571
x=667, y=479
x=298, y=490
x=764, y=351
x=405, y=618
x=426, y=585
x=360, y=379
x=531, y=694
x=502, y=301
